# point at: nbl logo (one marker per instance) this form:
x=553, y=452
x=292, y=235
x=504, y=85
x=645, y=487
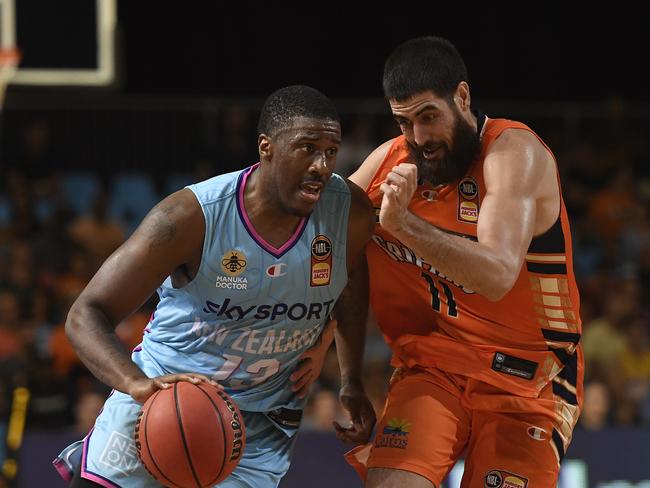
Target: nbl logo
x=321, y=261
x=321, y=247
x=468, y=188
x=493, y=480
x=498, y=478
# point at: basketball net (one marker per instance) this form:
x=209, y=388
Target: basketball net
x=9, y=59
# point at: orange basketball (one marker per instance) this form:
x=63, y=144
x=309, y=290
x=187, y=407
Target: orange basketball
x=190, y=436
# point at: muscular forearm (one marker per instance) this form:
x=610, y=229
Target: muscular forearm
x=351, y=312
x=461, y=260
x=95, y=342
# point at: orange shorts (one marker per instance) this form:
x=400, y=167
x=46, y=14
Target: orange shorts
x=432, y=418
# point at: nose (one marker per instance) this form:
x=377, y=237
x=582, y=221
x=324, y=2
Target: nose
x=322, y=165
x=420, y=135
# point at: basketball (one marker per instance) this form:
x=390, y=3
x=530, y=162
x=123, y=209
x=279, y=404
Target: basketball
x=190, y=435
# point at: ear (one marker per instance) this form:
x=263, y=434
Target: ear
x=264, y=146
x=462, y=97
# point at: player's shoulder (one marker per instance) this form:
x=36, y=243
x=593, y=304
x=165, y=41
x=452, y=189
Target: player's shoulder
x=362, y=214
x=216, y=188
x=518, y=134
x=505, y=134
x=522, y=142
x=382, y=150
x=363, y=176
x=518, y=159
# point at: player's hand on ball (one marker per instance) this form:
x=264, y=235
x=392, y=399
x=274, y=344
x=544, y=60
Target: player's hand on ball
x=311, y=362
x=143, y=388
x=356, y=403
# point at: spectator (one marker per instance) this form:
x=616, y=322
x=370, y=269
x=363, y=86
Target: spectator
x=596, y=411
x=604, y=338
x=11, y=342
x=355, y=148
x=234, y=152
x=631, y=379
x=613, y=206
x=96, y=234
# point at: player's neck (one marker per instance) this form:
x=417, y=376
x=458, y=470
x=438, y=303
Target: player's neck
x=266, y=213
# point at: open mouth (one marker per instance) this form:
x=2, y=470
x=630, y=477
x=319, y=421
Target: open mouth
x=310, y=191
x=432, y=153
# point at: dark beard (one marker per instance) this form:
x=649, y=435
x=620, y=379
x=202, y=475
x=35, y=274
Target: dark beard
x=456, y=161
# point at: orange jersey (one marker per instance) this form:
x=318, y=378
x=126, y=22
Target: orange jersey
x=519, y=343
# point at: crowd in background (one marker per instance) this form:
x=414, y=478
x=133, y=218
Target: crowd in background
x=59, y=222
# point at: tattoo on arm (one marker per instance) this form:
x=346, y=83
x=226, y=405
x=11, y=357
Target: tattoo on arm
x=160, y=225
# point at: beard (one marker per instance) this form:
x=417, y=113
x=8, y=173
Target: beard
x=456, y=161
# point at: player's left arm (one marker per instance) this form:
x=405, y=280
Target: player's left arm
x=516, y=172
x=351, y=312
x=352, y=306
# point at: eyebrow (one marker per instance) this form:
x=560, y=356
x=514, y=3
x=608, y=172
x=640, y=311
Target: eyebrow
x=428, y=106
x=312, y=137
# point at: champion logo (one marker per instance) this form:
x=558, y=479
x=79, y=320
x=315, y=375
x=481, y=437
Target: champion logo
x=537, y=433
x=275, y=270
x=429, y=195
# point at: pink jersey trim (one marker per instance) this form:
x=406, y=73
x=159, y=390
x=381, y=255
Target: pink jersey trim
x=275, y=251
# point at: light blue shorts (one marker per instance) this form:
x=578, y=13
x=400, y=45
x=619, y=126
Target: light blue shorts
x=108, y=455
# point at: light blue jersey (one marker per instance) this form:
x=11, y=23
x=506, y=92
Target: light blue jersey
x=244, y=320
x=252, y=309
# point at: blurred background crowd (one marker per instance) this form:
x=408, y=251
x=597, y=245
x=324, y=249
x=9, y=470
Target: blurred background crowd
x=74, y=185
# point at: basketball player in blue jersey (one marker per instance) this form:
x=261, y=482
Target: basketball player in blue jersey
x=248, y=267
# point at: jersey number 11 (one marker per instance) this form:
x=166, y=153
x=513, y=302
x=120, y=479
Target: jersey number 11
x=452, y=311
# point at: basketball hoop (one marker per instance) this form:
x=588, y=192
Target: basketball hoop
x=9, y=59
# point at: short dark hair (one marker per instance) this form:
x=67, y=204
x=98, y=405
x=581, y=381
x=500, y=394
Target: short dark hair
x=290, y=102
x=423, y=64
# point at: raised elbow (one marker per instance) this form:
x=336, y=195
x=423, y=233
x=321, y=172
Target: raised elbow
x=72, y=320
x=80, y=315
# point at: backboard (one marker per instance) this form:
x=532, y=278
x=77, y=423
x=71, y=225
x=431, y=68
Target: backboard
x=64, y=42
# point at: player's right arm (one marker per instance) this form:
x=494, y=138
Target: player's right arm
x=169, y=240
x=363, y=176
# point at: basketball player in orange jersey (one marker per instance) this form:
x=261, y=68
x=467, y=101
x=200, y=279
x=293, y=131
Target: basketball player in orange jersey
x=472, y=285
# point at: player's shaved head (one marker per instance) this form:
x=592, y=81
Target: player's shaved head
x=291, y=102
